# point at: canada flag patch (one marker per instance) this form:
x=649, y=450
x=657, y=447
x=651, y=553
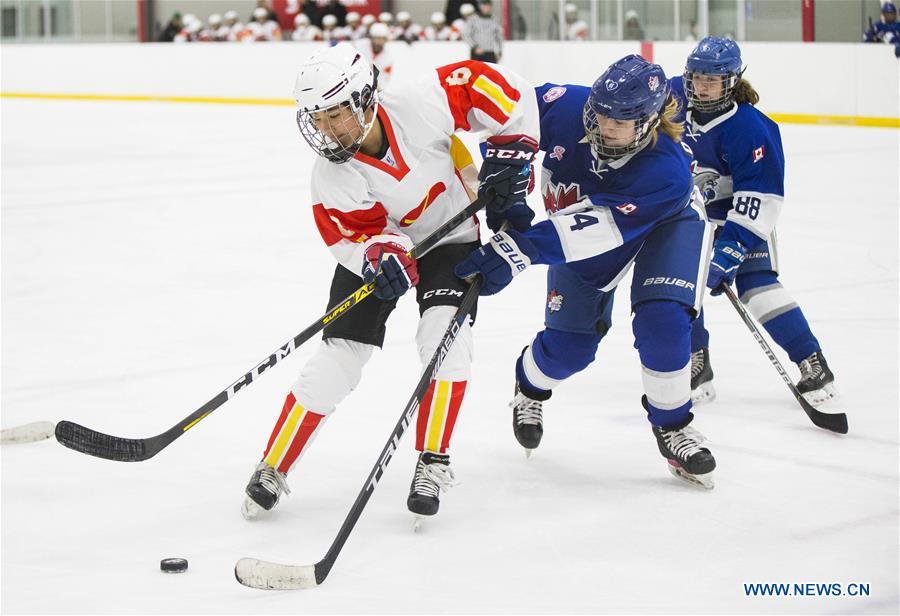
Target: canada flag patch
x=627, y=208
x=758, y=154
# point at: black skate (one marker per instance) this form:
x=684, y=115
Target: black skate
x=432, y=475
x=816, y=380
x=263, y=491
x=702, y=389
x=528, y=420
x=680, y=446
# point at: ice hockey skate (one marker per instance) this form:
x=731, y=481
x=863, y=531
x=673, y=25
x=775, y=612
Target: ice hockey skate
x=680, y=446
x=433, y=475
x=702, y=389
x=528, y=420
x=816, y=380
x=263, y=491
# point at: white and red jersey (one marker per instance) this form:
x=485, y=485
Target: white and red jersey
x=578, y=30
x=306, y=33
x=420, y=183
x=268, y=31
x=383, y=60
x=444, y=33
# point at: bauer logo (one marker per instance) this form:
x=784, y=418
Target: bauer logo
x=678, y=282
x=553, y=93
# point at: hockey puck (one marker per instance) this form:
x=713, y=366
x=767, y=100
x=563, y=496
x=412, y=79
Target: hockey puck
x=173, y=565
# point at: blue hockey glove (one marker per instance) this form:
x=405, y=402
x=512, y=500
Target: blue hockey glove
x=726, y=260
x=507, y=170
x=505, y=255
x=519, y=217
x=398, y=270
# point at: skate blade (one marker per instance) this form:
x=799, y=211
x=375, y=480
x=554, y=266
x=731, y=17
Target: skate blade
x=417, y=522
x=704, y=394
x=820, y=397
x=528, y=453
x=250, y=510
x=701, y=481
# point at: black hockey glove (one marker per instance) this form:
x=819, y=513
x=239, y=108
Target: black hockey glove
x=507, y=170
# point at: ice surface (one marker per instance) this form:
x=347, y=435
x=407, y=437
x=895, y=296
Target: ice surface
x=152, y=253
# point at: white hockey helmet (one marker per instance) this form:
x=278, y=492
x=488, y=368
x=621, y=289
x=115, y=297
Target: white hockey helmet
x=438, y=18
x=379, y=30
x=301, y=20
x=352, y=17
x=215, y=20
x=403, y=17
x=334, y=78
x=386, y=17
x=329, y=21
x=231, y=16
x=466, y=9
x=368, y=19
x=260, y=13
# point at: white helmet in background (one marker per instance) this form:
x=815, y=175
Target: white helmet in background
x=368, y=19
x=331, y=82
x=466, y=10
x=231, y=16
x=386, y=17
x=379, y=30
x=352, y=18
x=403, y=17
x=301, y=20
x=215, y=20
x=329, y=21
x=438, y=18
x=260, y=13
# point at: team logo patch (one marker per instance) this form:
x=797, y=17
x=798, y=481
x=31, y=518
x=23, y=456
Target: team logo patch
x=758, y=154
x=558, y=152
x=554, y=301
x=553, y=93
x=560, y=196
x=653, y=83
x=627, y=208
x=611, y=85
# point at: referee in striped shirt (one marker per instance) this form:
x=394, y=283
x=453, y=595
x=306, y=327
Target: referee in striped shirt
x=484, y=35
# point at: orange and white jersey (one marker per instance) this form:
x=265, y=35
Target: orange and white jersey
x=421, y=182
x=577, y=31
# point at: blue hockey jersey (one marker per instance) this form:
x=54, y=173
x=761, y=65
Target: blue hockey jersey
x=738, y=167
x=600, y=212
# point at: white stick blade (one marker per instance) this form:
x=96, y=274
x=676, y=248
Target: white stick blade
x=28, y=433
x=272, y=576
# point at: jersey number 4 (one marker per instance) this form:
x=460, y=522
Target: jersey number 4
x=582, y=221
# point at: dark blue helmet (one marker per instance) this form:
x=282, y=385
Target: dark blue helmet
x=889, y=7
x=630, y=89
x=714, y=57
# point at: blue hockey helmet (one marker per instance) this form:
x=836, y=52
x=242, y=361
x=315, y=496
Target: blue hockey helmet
x=713, y=56
x=889, y=7
x=630, y=89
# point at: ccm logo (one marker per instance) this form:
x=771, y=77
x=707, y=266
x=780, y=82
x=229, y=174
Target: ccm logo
x=510, y=154
x=678, y=282
x=441, y=292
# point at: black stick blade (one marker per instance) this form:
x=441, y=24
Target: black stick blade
x=835, y=422
x=100, y=445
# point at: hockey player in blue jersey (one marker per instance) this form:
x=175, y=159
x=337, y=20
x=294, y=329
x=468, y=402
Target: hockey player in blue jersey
x=886, y=29
x=739, y=169
x=617, y=186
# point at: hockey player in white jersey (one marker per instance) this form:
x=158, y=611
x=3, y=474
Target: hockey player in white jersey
x=390, y=171
x=305, y=31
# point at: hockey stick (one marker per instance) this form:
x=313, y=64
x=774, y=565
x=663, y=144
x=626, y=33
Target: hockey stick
x=27, y=433
x=273, y=576
x=836, y=422
x=94, y=443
